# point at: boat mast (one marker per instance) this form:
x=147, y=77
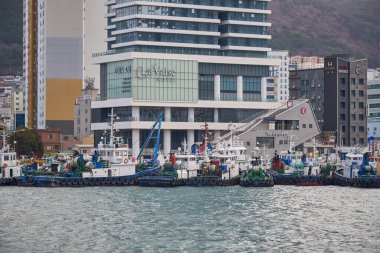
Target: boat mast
x=291, y=144
x=205, y=143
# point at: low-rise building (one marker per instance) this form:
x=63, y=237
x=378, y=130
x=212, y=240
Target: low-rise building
x=51, y=140
x=294, y=122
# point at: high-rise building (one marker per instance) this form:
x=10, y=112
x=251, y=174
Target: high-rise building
x=345, y=89
x=52, y=62
x=338, y=94
x=282, y=74
x=193, y=61
x=94, y=37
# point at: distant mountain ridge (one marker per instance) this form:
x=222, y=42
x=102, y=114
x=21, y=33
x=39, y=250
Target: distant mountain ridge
x=324, y=27
x=306, y=27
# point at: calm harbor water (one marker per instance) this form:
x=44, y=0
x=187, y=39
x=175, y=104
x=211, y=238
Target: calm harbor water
x=230, y=219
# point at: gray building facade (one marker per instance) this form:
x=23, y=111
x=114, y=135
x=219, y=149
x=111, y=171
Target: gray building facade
x=308, y=84
x=346, y=99
x=338, y=95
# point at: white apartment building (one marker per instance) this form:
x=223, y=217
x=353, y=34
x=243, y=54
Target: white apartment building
x=282, y=74
x=298, y=62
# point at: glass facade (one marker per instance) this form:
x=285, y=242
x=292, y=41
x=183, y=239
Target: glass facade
x=118, y=80
x=204, y=115
x=177, y=138
x=166, y=37
x=251, y=88
x=100, y=115
x=233, y=69
x=206, y=87
x=236, y=115
x=166, y=11
x=143, y=135
x=139, y=14
x=179, y=114
x=228, y=88
x=166, y=24
x=151, y=113
x=165, y=80
x=223, y=3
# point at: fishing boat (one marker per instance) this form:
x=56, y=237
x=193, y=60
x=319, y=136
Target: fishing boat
x=256, y=176
x=357, y=171
x=110, y=165
x=293, y=168
x=10, y=168
x=217, y=168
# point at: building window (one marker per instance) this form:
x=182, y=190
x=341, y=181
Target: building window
x=179, y=114
x=151, y=113
x=353, y=141
x=252, y=88
x=310, y=125
x=268, y=142
x=353, y=129
x=228, y=88
x=353, y=81
x=353, y=117
x=303, y=125
x=361, y=129
x=343, y=129
x=248, y=143
x=361, y=116
x=342, y=80
x=361, y=105
x=361, y=93
x=343, y=93
x=177, y=138
x=206, y=87
x=50, y=136
x=361, y=81
x=353, y=93
x=203, y=115
x=361, y=141
x=353, y=105
x=343, y=116
x=342, y=105
x=281, y=142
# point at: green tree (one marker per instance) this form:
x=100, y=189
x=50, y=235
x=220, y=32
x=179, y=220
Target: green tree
x=28, y=142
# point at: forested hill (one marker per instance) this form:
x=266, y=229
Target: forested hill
x=306, y=27
x=322, y=27
x=11, y=37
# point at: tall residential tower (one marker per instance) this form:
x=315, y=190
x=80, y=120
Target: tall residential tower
x=193, y=61
x=52, y=66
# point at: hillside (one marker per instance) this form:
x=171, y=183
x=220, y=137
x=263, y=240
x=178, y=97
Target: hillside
x=304, y=27
x=327, y=26
x=10, y=37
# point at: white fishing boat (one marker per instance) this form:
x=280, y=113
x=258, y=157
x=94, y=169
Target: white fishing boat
x=10, y=165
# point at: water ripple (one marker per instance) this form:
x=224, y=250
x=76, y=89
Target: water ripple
x=234, y=219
